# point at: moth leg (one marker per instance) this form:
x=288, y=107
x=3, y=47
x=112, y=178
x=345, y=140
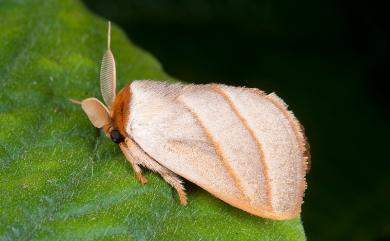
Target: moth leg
x=131, y=159
x=146, y=161
x=176, y=183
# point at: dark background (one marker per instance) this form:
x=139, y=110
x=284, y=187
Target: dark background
x=328, y=59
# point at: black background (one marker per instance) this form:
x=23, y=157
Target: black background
x=328, y=59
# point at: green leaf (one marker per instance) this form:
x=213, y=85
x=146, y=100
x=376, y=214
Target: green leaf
x=60, y=178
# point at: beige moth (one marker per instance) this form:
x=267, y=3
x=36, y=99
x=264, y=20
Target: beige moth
x=240, y=144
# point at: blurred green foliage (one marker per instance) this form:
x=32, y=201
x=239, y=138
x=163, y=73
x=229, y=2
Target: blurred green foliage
x=60, y=178
x=328, y=59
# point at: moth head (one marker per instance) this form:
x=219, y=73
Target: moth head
x=100, y=114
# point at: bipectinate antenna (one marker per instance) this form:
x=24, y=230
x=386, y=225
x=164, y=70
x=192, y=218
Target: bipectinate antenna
x=108, y=73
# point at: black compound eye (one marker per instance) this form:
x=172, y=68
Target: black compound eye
x=116, y=136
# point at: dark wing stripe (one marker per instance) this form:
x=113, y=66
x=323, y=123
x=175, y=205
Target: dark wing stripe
x=221, y=156
x=244, y=122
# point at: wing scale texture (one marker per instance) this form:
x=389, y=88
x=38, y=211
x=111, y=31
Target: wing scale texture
x=239, y=144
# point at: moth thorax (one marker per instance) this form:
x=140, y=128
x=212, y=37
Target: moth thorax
x=120, y=110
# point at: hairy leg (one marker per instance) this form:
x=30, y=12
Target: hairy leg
x=133, y=163
x=139, y=157
x=176, y=183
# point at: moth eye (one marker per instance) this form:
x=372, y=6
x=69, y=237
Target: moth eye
x=116, y=136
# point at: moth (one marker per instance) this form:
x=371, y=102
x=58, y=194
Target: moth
x=240, y=144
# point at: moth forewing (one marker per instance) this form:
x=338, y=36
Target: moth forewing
x=231, y=141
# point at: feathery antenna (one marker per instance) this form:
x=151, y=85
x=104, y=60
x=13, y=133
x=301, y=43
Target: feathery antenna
x=109, y=35
x=108, y=73
x=75, y=101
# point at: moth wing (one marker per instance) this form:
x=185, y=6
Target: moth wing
x=285, y=151
x=203, y=135
x=168, y=132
